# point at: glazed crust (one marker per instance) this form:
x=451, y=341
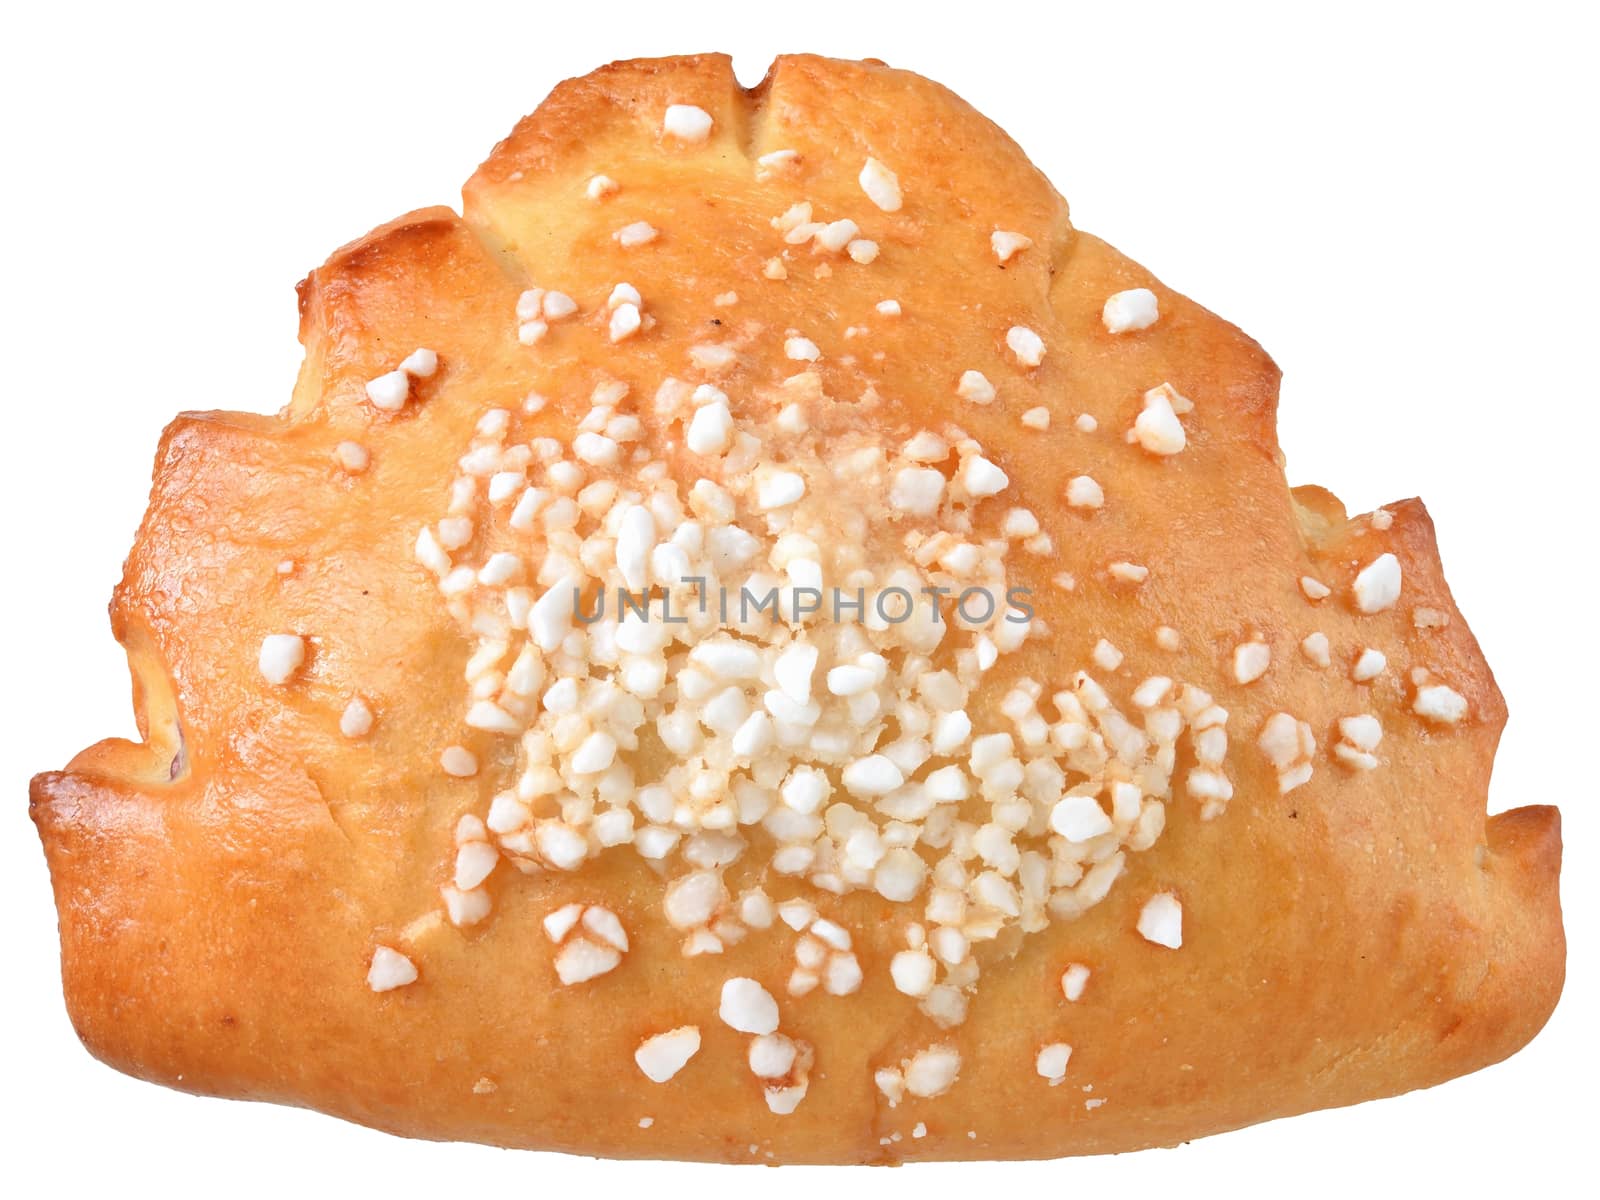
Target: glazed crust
x=221, y=885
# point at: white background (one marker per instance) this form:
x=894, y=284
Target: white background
x=1398, y=203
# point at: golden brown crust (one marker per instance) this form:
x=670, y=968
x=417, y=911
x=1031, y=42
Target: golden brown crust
x=221, y=885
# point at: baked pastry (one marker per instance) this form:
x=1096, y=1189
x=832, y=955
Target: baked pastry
x=760, y=641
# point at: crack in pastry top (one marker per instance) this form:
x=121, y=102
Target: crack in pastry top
x=701, y=657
